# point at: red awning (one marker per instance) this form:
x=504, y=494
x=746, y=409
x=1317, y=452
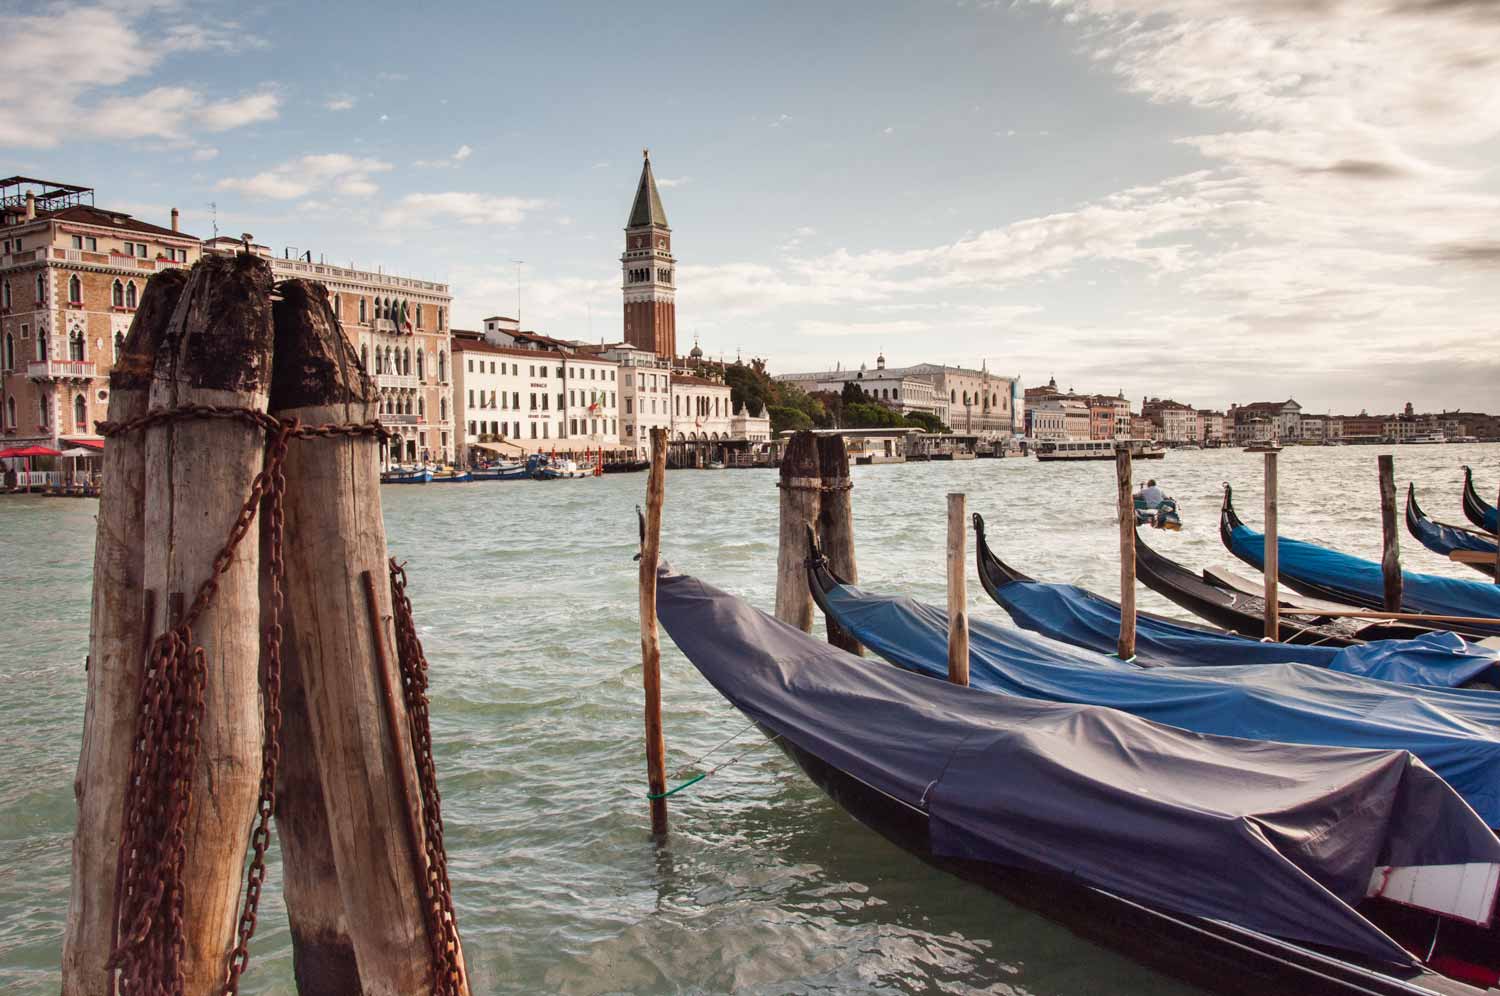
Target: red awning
x=92, y=444
x=28, y=451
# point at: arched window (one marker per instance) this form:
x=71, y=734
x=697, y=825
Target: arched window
x=119, y=344
x=80, y=414
x=10, y=412
x=421, y=408
x=6, y=298
x=75, y=344
x=130, y=294
x=442, y=366
x=41, y=287
x=75, y=290
x=440, y=319
x=41, y=344
x=364, y=357
x=406, y=361
x=10, y=351
x=442, y=409
x=419, y=316
x=362, y=318
x=952, y=397
x=116, y=294
x=338, y=310
x=44, y=410
x=421, y=375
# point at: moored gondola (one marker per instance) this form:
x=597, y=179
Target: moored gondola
x=1186, y=852
x=1479, y=511
x=1443, y=539
x=1086, y=619
x=1319, y=572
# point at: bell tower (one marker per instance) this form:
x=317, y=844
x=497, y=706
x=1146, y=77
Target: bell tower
x=649, y=271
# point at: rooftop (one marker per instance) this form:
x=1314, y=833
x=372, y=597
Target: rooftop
x=87, y=214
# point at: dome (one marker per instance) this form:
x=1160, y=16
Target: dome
x=697, y=351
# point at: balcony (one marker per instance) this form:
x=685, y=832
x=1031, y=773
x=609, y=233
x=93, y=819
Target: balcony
x=60, y=370
x=399, y=419
x=399, y=382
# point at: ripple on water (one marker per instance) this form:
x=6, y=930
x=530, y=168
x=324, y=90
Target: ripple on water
x=525, y=598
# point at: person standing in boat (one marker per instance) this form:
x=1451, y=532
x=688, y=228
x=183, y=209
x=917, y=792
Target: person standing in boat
x=1150, y=496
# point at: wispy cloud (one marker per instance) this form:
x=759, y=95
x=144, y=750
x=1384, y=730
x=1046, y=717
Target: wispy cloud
x=672, y=181
x=464, y=152
x=339, y=103
x=336, y=172
x=463, y=207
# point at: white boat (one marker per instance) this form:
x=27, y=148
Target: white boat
x=562, y=467
x=1428, y=437
x=1097, y=449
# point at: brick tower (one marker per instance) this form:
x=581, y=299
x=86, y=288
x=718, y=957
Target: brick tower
x=648, y=270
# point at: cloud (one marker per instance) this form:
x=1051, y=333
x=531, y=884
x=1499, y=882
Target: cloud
x=204, y=153
x=672, y=181
x=464, y=152
x=465, y=208
x=780, y=120
x=897, y=328
x=391, y=77
x=86, y=54
x=339, y=172
x=888, y=131
x=339, y=103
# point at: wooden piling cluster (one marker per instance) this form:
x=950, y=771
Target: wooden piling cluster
x=815, y=494
x=323, y=723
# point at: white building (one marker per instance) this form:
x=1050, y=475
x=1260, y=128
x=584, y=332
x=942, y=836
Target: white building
x=645, y=396
x=1060, y=419
x=970, y=401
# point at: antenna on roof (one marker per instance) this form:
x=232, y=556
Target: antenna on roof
x=213, y=207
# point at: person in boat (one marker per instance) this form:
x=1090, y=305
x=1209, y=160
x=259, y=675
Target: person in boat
x=1150, y=496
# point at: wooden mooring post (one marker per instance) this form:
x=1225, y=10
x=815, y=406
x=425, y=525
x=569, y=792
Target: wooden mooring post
x=1497, y=538
x=1390, y=534
x=801, y=486
x=120, y=629
x=1125, y=506
x=656, y=748
x=1270, y=559
x=836, y=525
x=958, y=591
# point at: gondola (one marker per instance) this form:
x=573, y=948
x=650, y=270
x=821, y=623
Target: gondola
x=1479, y=511
x=501, y=472
x=1443, y=539
x=1456, y=733
x=1183, y=851
x=1085, y=619
x=1243, y=613
x=1319, y=572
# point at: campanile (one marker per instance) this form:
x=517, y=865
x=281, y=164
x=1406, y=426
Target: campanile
x=648, y=271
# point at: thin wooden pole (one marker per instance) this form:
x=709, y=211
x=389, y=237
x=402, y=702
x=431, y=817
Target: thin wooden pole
x=958, y=594
x=801, y=486
x=1390, y=546
x=656, y=747
x=1497, y=539
x=836, y=525
x=1271, y=555
x=122, y=620
x=1394, y=616
x=1125, y=502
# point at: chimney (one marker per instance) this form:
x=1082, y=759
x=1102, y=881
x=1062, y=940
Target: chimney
x=174, y=221
x=30, y=205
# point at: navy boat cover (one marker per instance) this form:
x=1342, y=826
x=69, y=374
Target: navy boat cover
x=1277, y=838
x=1078, y=616
x=1440, y=539
x=1339, y=572
x=1456, y=732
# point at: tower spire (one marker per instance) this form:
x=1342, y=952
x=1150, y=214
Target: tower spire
x=647, y=209
x=649, y=270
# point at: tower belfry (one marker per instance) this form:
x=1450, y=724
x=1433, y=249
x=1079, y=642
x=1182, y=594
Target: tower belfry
x=648, y=270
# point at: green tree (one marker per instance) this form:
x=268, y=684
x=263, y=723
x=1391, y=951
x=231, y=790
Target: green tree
x=784, y=417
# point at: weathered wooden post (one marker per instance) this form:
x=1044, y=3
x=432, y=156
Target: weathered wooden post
x=339, y=644
x=958, y=591
x=656, y=748
x=1125, y=506
x=801, y=487
x=120, y=632
x=1497, y=538
x=199, y=472
x=1270, y=556
x=836, y=525
x=1390, y=535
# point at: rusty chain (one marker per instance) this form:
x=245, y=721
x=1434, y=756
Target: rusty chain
x=153, y=847
x=442, y=925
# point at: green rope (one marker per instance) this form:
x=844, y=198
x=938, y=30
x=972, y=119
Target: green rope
x=674, y=791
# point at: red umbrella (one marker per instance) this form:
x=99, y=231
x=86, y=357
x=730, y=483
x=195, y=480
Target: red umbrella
x=28, y=452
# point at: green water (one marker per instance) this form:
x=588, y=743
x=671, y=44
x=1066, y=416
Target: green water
x=525, y=600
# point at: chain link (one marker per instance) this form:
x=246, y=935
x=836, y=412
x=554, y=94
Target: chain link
x=153, y=846
x=442, y=925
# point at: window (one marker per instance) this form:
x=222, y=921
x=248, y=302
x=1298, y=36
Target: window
x=504, y=401
x=560, y=405
x=442, y=409
x=41, y=343
x=75, y=344
x=533, y=430
x=515, y=402
x=440, y=319
x=471, y=397
x=545, y=400
x=10, y=351
x=43, y=412
x=592, y=371
x=472, y=430
x=75, y=289
x=421, y=374
x=533, y=401
x=130, y=294
x=5, y=299
x=78, y=242
x=364, y=357
x=573, y=426
x=10, y=412
x=338, y=310
x=442, y=367
x=41, y=287
x=559, y=372
x=362, y=311
x=117, y=295
x=471, y=366
x=546, y=429
x=181, y=256
x=419, y=316
x=533, y=370
x=80, y=414
x=422, y=407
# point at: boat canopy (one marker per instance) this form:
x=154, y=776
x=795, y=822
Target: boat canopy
x=1078, y=616
x=1443, y=539
x=1456, y=733
x=1277, y=838
x=1345, y=578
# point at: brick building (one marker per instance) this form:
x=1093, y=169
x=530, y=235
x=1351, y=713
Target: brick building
x=71, y=275
x=648, y=271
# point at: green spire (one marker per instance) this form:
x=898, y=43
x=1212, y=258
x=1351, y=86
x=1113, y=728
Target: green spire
x=647, y=209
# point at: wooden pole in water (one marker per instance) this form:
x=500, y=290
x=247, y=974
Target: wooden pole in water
x=1271, y=566
x=958, y=592
x=120, y=632
x=1497, y=538
x=801, y=488
x=836, y=525
x=338, y=643
x=216, y=351
x=656, y=747
x=1390, y=535
x=1125, y=506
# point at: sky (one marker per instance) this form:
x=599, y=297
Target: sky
x=1213, y=200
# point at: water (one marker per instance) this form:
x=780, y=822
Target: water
x=525, y=598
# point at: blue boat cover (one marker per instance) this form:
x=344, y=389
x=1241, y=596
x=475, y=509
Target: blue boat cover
x=1078, y=616
x=1456, y=732
x=1277, y=838
x=1339, y=572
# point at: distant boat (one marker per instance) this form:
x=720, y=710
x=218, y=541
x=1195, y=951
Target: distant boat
x=420, y=475
x=556, y=468
x=501, y=472
x=451, y=477
x=715, y=465
x=1443, y=539
x=1096, y=449
x=1263, y=448
x=1427, y=437
x=1479, y=511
